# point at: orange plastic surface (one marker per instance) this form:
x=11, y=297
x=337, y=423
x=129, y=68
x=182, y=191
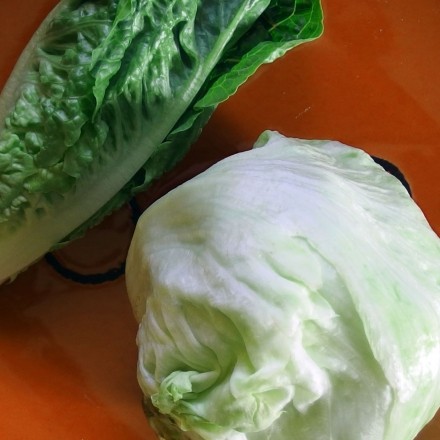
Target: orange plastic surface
x=68, y=351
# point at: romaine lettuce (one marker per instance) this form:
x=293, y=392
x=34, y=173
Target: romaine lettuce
x=288, y=292
x=109, y=94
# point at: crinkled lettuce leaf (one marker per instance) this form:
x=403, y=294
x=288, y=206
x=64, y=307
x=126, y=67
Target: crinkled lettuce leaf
x=110, y=94
x=288, y=292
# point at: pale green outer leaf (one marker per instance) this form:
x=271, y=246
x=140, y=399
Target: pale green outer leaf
x=289, y=292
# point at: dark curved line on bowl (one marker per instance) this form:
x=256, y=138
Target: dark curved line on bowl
x=394, y=170
x=99, y=277
x=82, y=278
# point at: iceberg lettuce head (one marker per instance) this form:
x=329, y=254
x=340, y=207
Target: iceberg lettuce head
x=288, y=292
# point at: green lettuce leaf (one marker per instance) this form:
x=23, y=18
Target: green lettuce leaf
x=109, y=94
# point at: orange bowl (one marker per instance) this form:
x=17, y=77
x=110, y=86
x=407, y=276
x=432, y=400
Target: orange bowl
x=68, y=364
